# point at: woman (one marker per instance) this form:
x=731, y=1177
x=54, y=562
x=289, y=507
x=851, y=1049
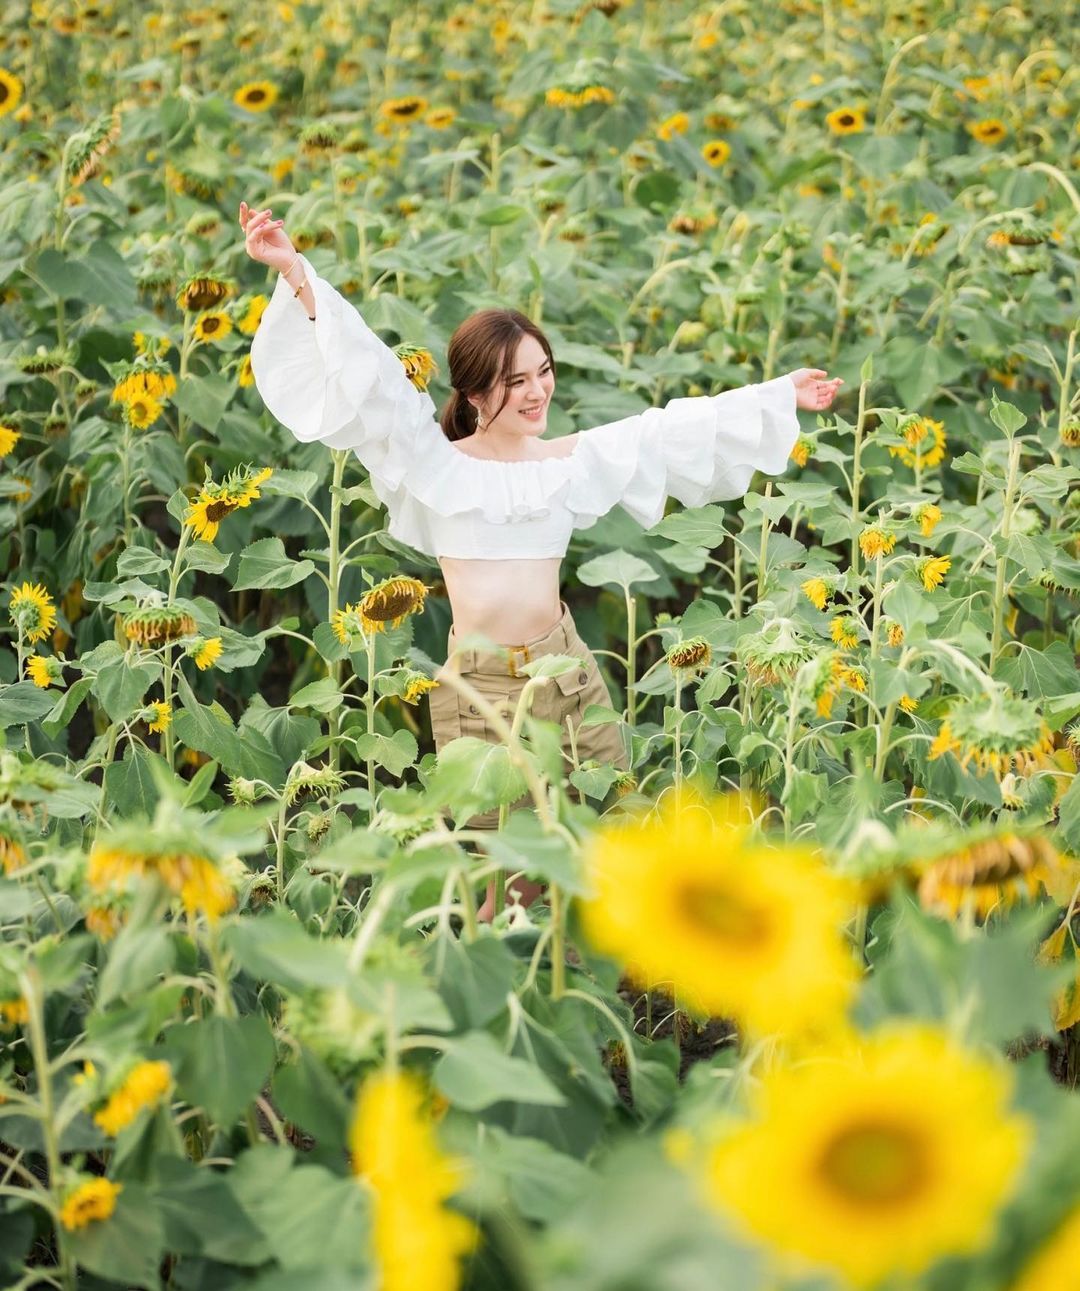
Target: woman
x=481, y=490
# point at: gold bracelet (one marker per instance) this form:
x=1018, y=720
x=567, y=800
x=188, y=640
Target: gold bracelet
x=285, y=272
x=303, y=284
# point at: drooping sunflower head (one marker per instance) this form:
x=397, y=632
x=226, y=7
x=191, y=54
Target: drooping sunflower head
x=217, y=500
x=844, y=630
x=44, y=670
x=853, y=1162
x=689, y=655
x=998, y=731
x=928, y=515
x=151, y=625
x=391, y=602
x=203, y=291
x=12, y=852
x=775, y=653
x=417, y=684
x=205, y=651
x=32, y=611
x=735, y=928
x=875, y=541
x=252, y=316
x=932, y=571
x=149, y=377
x=85, y=149
x=817, y=591
x=991, y=868
x=133, y=854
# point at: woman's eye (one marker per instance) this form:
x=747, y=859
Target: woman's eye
x=546, y=372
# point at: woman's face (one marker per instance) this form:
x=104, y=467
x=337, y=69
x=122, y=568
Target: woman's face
x=532, y=382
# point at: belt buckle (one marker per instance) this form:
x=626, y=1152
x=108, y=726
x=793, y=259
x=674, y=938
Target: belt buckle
x=523, y=650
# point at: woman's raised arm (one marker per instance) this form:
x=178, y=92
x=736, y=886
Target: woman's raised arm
x=266, y=241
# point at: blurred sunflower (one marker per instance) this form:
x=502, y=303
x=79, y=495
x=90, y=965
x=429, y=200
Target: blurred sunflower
x=256, y=96
x=418, y=1240
x=689, y=655
x=143, y=1088
x=245, y=377
x=11, y=89
x=256, y=307
x=875, y=542
x=9, y=437
x=214, y=325
x=157, y=715
x=403, y=109
x=419, y=364
x=45, y=670
x=929, y=516
x=440, y=118
x=32, y=611
x=990, y=131
x=843, y=121
x=12, y=852
x=91, y=1201
x=854, y=1161
x=845, y=631
x=205, y=651
x=737, y=928
x=716, y=151
x=817, y=591
x=677, y=123
x=775, y=653
x=203, y=291
x=1056, y=1261
x=993, y=868
x=131, y=854
x=416, y=685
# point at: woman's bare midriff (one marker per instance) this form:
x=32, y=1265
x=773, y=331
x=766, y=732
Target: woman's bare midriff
x=509, y=601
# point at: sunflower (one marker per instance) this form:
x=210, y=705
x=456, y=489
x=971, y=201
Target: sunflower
x=843, y=121
x=1056, y=1262
x=992, y=130
x=256, y=307
x=144, y=1087
x=9, y=437
x=142, y=411
x=14, y=1013
x=390, y=602
x=677, y=123
x=12, y=852
x=418, y=1241
x=875, y=542
x=245, y=377
x=913, y=431
x=817, y=591
x=154, y=624
x=216, y=501
x=440, y=118
x=995, y=870
x=895, y=634
x=844, y=631
x=44, y=670
x=405, y=109
x=89, y=1203
x=32, y=611
x=854, y=1162
x=932, y=571
x=908, y=704
x=775, y=653
x=214, y=325
x=157, y=715
x=102, y=922
x=737, y=928
x=203, y=291
x=128, y=855
x=417, y=684
x=929, y=517
x=11, y=89
x=689, y=655
x=206, y=651
x=716, y=151
x=999, y=732
x=256, y=96
x=802, y=450
x=419, y=364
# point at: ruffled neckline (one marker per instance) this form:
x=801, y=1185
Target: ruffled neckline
x=525, y=461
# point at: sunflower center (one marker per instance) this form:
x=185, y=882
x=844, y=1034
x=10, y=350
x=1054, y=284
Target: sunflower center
x=847, y=119
x=220, y=509
x=256, y=96
x=722, y=913
x=874, y=1164
x=4, y=92
x=210, y=325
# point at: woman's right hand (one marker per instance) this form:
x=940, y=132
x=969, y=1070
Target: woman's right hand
x=265, y=239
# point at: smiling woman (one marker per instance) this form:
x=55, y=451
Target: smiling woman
x=483, y=493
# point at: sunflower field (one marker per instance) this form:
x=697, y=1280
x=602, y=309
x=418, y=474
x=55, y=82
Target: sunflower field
x=799, y=1007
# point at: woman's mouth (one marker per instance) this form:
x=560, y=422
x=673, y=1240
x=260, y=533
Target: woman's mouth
x=535, y=414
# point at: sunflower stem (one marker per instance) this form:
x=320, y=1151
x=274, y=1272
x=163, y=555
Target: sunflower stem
x=631, y=651
x=30, y=984
x=856, y=476
x=1002, y=560
x=340, y=456
x=558, y=942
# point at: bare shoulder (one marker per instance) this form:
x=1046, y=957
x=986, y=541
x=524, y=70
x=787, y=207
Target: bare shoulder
x=561, y=447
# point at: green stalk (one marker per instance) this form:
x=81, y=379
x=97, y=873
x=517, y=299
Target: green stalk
x=279, y=849
x=631, y=663
x=339, y=457
x=30, y=984
x=369, y=704
x=856, y=477
x=1002, y=560
x=558, y=942
x=677, y=734
x=763, y=549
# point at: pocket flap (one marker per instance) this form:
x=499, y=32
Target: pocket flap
x=573, y=681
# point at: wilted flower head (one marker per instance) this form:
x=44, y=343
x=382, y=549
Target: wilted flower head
x=689, y=655
x=998, y=731
x=775, y=653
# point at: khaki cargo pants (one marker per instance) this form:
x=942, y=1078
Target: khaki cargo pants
x=495, y=676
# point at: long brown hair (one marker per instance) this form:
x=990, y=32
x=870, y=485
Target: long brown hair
x=482, y=351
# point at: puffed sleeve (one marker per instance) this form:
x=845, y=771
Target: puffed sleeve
x=697, y=450
x=334, y=381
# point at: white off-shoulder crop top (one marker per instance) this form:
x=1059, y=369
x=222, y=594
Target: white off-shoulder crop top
x=334, y=381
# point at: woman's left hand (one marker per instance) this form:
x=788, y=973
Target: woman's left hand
x=813, y=390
